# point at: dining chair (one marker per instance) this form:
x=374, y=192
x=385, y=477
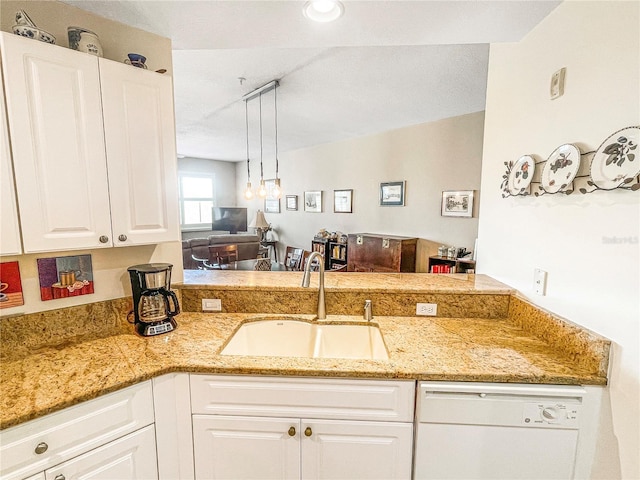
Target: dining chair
x=223, y=254
x=203, y=264
x=293, y=258
x=305, y=257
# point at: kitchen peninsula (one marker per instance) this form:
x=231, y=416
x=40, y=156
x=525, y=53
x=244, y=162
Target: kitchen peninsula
x=169, y=393
x=484, y=332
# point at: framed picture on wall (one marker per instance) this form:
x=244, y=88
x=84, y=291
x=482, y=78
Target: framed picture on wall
x=392, y=194
x=313, y=201
x=342, y=201
x=457, y=203
x=271, y=202
x=292, y=202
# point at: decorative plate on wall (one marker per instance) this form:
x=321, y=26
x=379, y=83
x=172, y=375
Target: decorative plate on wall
x=560, y=168
x=617, y=159
x=520, y=175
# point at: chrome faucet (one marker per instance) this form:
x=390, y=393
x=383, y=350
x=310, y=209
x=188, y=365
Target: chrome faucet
x=368, y=315
x=322, y=311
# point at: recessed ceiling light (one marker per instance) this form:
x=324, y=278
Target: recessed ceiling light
x=323, y=10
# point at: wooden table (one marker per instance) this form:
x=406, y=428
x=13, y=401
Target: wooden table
x=272, y=245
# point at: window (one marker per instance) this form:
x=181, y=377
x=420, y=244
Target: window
x=196, y=200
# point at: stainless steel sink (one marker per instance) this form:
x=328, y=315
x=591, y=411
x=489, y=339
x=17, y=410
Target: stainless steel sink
x=297, y=338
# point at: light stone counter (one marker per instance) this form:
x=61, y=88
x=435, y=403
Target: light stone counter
x=346, y=282
x=456, y=349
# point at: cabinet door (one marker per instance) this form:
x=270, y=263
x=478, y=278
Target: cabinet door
x=338, y=450
x=38, y=476
x=55, y=123
x=141, y=154
x=246, y=448
x=132, y=457
x=9, y=227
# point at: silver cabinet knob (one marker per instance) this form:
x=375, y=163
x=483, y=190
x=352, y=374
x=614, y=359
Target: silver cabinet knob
x=59, y=477
x=41, y=448
x=103, y=239
x=122, y=237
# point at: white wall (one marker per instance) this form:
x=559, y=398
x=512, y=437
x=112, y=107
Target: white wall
x=432, y=157
x=224, y=173
x=590, y=281
x=110, y=264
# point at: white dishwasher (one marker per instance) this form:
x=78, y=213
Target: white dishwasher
x=496, y=431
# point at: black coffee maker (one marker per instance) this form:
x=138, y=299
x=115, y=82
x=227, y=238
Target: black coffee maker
x=154, y=304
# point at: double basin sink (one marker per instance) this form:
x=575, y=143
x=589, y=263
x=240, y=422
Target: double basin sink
x=300, y=338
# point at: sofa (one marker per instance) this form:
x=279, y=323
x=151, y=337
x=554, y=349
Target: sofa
x=248, y=247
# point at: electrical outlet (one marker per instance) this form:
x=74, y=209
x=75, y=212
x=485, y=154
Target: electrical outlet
x=540, y=281
x=428, y=309
x=211, y=305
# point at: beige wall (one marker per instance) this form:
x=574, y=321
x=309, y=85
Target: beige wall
x=590, y=281
x=225, y=177
x=432, y=157
x=109, y=264
x=116, y=38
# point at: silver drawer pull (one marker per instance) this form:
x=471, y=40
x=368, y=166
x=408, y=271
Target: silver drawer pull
x=59, y=477
x=103, y=239
x=122, y=237
x=41, y=448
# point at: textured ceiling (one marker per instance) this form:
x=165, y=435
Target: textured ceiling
x=383, y=65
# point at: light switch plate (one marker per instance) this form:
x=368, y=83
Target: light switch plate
x=556, y=89
x=211, y=305
x=540, y=281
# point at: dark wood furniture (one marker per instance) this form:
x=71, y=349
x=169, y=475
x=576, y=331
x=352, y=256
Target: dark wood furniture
x=293, y=258
x=272, y=246
x=337, y=255
x=320, y=244
x=456, y=265
x=371, y=252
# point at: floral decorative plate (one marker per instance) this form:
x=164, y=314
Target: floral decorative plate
x=617, y=159
x=561, y=168
x=520, y=175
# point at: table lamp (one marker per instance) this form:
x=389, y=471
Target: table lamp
x=260, y=224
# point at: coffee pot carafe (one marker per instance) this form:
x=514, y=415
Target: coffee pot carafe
x=154, y=304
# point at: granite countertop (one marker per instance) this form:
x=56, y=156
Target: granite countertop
x=50, y=378
x=467, y=284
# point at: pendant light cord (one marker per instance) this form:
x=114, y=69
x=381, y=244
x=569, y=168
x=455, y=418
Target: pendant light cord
x=246, y=120
x=261, y=171
x=275, y=104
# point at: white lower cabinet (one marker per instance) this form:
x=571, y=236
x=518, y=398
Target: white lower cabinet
x=132, y=457
x=356, y=450
x=246, y=447
x=112, y=433
x=301, y=428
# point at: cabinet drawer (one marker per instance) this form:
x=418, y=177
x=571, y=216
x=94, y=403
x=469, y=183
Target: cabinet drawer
x=74, y=430
x=132, y=457
x=385, y=400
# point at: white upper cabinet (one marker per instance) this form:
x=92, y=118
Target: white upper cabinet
x=9, y=226
x=93, y=149
x=141, y=154
x=55, y=121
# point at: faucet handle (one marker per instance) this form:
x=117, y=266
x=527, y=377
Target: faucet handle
x=368, y=315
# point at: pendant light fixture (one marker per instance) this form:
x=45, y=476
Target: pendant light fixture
x=262, y=191
x=276, y=192
x=248, y=193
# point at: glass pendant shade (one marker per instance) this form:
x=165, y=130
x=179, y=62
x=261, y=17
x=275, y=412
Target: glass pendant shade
x=248, y=193
x=276, y=192
x=262, y=190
